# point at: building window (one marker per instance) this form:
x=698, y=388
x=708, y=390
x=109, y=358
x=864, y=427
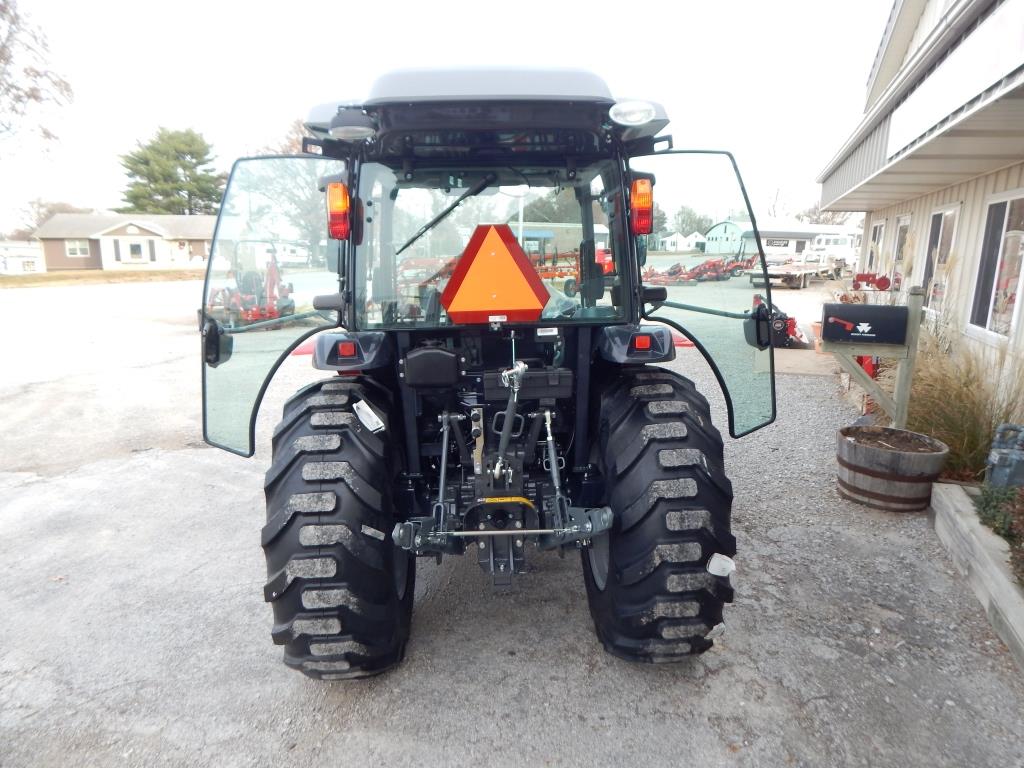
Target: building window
x=941, y=232
x=902, y=230
x=28, y=265
x=135, y=251
x=999, y=271
x=76, y=249
x=875, y=248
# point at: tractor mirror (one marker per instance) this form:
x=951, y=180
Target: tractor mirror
x=217, y=347
x=757, y=328
x=653, y=294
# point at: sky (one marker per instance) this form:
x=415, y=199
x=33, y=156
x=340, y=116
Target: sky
x=779, y=84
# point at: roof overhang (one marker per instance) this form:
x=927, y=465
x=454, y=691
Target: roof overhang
x=979, y=141
x=892, y=50
x=958, y=18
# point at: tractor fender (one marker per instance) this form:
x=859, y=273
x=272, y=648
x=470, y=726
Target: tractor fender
x=371, y=350
x=615, y=344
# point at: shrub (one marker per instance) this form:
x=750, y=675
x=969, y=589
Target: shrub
x=995, y=509
x=1016, y=537
x=1002, y=510
x=959, y=396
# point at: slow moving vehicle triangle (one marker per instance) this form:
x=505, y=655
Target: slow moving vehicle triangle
x=494, y=281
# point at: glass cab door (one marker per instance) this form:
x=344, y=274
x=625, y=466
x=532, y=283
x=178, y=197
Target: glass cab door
x=706, y=252
x=270, y=257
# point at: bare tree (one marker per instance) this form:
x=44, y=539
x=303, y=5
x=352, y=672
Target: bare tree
x=39, y=211
x=26, y=82
x=291, y=142
x=814, y=215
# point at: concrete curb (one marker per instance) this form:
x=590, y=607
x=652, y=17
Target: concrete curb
x=983, y=557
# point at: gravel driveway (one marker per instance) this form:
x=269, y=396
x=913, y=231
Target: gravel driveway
x=134, y=631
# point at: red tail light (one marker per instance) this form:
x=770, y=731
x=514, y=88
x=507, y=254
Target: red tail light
x=642, y=341
x=338, y=204
x=346, y=349
x=641, y=207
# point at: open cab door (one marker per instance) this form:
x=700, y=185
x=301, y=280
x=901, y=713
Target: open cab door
x=270, y=257
x=706, y=252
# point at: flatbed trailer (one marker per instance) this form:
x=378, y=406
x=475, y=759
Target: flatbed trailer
x=795, y=275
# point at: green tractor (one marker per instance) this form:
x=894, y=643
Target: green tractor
x=475, y=401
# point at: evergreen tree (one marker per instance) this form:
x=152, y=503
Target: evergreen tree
x=172, y=174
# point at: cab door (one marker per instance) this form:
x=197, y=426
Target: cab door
x=718, y=291
x=270, y=257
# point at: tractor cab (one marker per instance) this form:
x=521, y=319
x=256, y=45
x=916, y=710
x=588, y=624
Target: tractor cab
x=475, y=244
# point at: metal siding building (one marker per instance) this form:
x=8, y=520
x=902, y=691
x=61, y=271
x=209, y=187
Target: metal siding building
x=937, y=163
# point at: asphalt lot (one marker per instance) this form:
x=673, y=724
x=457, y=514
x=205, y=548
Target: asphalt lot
x=134, y=631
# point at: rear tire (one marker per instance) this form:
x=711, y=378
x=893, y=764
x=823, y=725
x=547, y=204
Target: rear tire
x=341, y=591
x=651, y=596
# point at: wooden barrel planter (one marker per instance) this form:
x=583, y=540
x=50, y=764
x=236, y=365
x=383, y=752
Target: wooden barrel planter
x=890, y=469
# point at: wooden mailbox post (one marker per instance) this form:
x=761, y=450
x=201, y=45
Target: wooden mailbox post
x=854, y=330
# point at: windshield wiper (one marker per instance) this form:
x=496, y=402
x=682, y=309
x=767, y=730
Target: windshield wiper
x=476, y=189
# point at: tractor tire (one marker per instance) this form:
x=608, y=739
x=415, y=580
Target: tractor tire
x=341, y=591
x=650, y=593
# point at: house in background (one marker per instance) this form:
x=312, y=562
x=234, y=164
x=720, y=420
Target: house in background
x=75, y=241
x=937, y=163
x=20, y=257
x=682, y=243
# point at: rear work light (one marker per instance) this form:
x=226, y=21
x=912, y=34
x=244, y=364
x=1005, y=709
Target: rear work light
x=338, y=204
x=641, y=207
x=642, y=341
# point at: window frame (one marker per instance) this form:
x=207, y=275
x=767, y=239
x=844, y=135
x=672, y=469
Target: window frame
x=939, y=210
x=77, y=254
x=622, y=253
x=902, y=220
x=879, y=244
x=983, y=333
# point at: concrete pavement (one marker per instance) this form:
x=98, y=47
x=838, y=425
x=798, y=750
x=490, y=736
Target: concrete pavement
x=134, y=631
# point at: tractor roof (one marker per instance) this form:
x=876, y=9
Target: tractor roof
x=410, y=98
x=488, y=84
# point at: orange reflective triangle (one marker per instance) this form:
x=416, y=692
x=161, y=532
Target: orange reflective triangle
x=494, y=281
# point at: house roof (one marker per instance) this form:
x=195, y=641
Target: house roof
x=88, y=225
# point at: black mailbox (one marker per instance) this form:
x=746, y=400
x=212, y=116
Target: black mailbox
x=864, y=324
